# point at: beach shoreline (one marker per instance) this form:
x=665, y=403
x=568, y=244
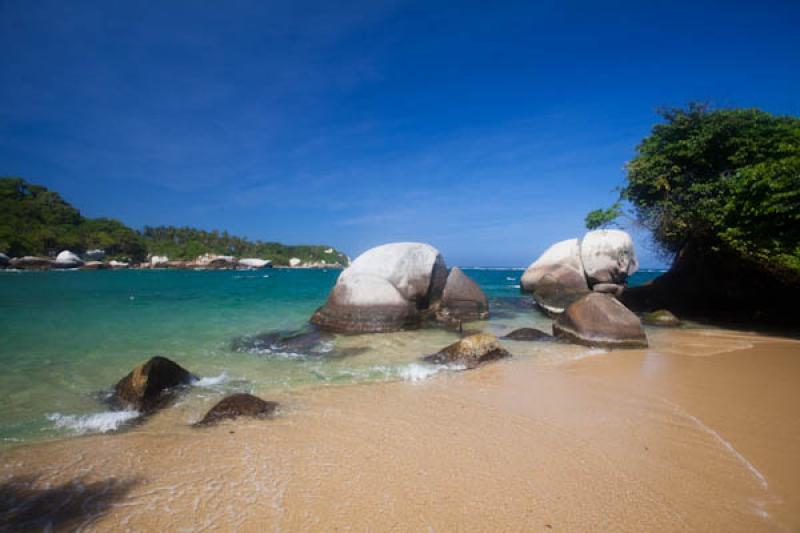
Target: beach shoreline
x=696, y=432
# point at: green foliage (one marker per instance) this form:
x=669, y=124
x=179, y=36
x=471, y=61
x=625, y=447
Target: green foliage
x=36, y=221
x=600, y=218
x=188, y=243
x=724, y=179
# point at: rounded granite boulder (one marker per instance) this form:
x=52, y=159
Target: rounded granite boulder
x=386, y=288
x=462, y=299
x=608, y=256
x=599, y=319
x=556, y=279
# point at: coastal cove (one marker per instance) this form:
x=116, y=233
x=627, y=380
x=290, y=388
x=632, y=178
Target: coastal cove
x=68, y=336
x=679, y=436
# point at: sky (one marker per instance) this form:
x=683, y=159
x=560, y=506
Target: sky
x=487, y=129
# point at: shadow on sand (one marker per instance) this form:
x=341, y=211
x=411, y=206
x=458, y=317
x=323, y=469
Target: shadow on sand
x=27, y=504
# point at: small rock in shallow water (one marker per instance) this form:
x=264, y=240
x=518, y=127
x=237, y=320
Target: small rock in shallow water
x=528, y=334
x=470, y=351
x=662, y=317
x=148, y=387
x=237, y=405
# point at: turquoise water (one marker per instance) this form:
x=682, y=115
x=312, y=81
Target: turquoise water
x=67, y=337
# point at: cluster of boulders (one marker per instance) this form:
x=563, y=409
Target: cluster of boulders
x=397, y=286
x=601, y=262
x=578, y=283
x=155, y=383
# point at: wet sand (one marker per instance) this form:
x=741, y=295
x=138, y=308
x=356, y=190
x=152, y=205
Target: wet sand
x=699, y=432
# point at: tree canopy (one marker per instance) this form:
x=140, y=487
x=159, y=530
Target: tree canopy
x=723, y=180
x=37, y=221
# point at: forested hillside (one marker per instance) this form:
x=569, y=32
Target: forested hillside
x=37, y=221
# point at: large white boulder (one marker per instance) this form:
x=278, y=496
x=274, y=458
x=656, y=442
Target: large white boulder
x=67, y=259
x=608, y=256
x=385, y=289
x=556, y=279
x=406, y=265
x=564, y=257
x=159, y=260
x=295, y=262
x=251, y=262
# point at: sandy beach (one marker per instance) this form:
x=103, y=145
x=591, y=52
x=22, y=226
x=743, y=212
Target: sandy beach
x=698, y=432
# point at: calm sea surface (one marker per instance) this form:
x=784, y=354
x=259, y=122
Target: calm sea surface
x=67, y=337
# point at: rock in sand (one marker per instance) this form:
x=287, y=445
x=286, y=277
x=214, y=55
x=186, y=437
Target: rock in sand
x=236, y=405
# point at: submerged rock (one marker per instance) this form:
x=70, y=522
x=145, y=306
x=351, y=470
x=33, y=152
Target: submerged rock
x=149, y=386
x=662, y=318
x=236, y=405
x=462, y=299
x=608, y=256
x=386, y=288
x=529, y=334
x=312, y=342
x=470, y=351
x=599, y=319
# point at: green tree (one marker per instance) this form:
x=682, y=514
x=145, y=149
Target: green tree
x=725, y=180
x=600, y=218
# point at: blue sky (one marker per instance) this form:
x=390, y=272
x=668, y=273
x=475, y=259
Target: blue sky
x=488, y=129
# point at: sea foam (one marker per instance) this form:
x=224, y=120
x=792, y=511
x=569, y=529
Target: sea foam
x=102, y=422
x=211, y=381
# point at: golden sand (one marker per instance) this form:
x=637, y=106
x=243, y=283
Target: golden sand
x=699, y=432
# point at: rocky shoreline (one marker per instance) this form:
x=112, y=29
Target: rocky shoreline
x=67, y=260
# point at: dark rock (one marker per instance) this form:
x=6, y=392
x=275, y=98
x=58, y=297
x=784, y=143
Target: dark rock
x=462, y=299
x=149, y=386
x=95, y=265
x=609, y=288
x=662, y=317
x=554, y=295
x=528, y=334
x=31, y=263
x=599, y=319
x=470, y=351
x=237, y=405
x=4, y=260
x=303, y=342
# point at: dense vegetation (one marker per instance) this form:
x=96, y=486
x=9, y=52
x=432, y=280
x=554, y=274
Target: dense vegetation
x=724, y=181
x=37, y=221
x=188, y=243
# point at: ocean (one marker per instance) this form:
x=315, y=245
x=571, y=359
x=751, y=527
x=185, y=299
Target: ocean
x=66, y=337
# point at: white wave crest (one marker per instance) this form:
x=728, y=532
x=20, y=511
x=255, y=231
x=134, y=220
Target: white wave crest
x=211, y=381
x=102, y=422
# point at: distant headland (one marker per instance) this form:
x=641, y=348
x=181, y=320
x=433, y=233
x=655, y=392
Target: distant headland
x=40, y=230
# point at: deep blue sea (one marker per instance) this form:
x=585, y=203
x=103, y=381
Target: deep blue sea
x=67, y=337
